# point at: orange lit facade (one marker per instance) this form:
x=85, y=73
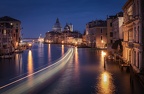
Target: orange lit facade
x=109, y=31
x=9, y=34
x=133, y=33
x=96, y=34
x=66, y=36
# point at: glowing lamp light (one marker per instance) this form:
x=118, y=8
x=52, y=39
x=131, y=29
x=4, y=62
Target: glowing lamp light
x=30, y=44
x=102, y=41
x=103, y=53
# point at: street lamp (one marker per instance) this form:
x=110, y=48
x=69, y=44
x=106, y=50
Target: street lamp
x=75, y=43
x=30, y=45
x=103, y=55
x=62, y=42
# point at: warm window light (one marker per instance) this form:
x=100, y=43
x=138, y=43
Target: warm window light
x=4, y=32
x=102, y=41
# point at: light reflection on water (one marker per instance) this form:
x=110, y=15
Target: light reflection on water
x=41, y=53
x=30, y=66
x=30, y=62
x=84, y=73
x=62, y=50
x=49, y=53
x=18, y=62
x=76, y=61
x=105, y=84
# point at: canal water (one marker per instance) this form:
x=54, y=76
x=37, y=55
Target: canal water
x=83, y=74
x=23, y=64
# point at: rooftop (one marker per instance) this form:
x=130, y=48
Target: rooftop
x=7, y=18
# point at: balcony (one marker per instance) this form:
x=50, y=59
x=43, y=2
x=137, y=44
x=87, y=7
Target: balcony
x=129, y=19
x=130, y=44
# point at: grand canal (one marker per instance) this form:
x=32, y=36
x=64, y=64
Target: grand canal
x=83, y=72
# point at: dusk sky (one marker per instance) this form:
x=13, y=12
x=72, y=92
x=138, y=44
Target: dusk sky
x=38, y=16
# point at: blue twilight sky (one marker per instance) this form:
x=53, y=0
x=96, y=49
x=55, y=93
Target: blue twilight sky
x=38, y=16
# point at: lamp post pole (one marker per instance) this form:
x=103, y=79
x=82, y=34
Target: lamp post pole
x=104, y=63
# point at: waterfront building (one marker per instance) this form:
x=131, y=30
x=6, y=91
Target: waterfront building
x=96, y=34
x=67, y=36
x=133, y=29
x=10, y=34
x=117, y=31
x=84, y=41
x=117, y=27
x=109, y=31
x=53, y=37
x=40, y=39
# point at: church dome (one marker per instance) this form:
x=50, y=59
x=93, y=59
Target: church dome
x=57, y=26
x=67, y=28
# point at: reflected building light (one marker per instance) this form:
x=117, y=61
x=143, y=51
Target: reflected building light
x=18, y=60
x=76, y=60
x=105, y=84
x=30, y=62
x=40, y=49
x=62, y=50
x=76, y=55
x=105, y=77
x=49, y=52
x=30, y=67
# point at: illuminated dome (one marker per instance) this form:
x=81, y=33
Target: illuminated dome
x=57, y=26
x=66, y=28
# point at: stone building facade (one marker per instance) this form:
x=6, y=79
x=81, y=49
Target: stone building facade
x=96, y=34
x=133, y=28
x=66, y=36
x=10, y=34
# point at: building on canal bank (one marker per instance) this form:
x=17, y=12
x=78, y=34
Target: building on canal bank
x=133, y=29
x=10, y=34
x=109, y=31
x=96, y=34
x=115, y=33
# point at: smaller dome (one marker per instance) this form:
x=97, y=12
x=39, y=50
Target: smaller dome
x=67, y=27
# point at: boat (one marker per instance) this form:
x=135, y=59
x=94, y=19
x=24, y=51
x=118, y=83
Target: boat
x=7, y=56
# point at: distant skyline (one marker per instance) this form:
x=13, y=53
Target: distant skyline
x=38, y=16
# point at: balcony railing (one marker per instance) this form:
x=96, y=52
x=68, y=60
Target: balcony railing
x=129, y=18
x=130, y=44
